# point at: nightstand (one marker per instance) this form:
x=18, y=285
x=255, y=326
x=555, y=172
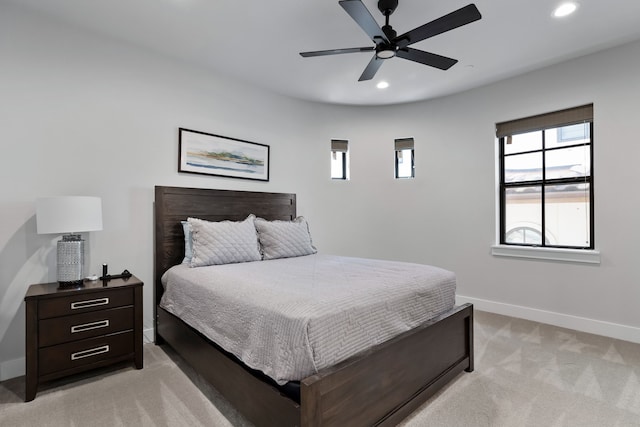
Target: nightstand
x=78, y=329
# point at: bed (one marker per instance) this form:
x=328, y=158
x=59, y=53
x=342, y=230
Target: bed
x=378, y=386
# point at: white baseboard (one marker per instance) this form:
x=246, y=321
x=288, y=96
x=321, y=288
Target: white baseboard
x=12, y=368
x=583, y=324
x=148, y=335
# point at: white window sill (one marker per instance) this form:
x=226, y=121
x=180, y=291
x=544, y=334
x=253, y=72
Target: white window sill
x=552, y=254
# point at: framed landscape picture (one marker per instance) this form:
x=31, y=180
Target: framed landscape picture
x=209, y=154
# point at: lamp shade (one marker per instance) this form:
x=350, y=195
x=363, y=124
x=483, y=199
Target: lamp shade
x=68, y=214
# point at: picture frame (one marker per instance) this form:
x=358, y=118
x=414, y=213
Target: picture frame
x=209, y=154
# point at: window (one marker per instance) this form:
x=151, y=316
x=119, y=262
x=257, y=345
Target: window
x=546, y=180
x=339, y=159
x=405, y=167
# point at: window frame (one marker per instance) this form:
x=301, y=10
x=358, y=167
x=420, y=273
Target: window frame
x=340, y=147
x=400, y=145
x=541, y=123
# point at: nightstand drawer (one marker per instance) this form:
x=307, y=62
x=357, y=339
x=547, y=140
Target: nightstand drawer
x=83, y=303
x=58, y=330
x=79, y=353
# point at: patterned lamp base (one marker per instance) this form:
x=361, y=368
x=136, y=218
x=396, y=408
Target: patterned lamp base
x=71, y=260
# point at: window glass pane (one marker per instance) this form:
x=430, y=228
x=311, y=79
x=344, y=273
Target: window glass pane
x=338, y=165
x=568, y=162
x=404, y=162
x=523, y=142
x=524, y=235
x=568, y=135
x=567, y=214
x=523, y=210
x=523, y=167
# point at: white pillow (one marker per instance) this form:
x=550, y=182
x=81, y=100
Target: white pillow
x=284, y=239
x=224, y=242
x=188, y=242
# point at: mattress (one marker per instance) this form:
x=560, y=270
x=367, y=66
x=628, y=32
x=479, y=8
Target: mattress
x=290, y=318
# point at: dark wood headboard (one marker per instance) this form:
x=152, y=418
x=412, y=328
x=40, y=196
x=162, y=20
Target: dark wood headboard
x=175, y=204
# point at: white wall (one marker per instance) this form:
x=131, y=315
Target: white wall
x=85, y=115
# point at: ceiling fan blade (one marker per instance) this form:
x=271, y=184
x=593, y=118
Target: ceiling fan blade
x=458, y=18
x=426, y=58
x=337, y=51
x=371, y=69
x=359, y=12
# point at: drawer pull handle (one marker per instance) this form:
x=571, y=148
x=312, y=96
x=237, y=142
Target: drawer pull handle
x=91, y=352
x=89, y=326
x=89, y=303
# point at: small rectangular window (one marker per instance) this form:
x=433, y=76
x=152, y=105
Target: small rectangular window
x=546, y=179
x=339, y=159
x=404, y=159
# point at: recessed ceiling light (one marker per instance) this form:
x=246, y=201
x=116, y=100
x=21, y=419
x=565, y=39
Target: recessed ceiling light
x=565, y=9
x=382, y=85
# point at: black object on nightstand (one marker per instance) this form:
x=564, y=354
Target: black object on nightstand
x=77, y=329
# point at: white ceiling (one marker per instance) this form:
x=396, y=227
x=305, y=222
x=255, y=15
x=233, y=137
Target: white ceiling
x=258, y=41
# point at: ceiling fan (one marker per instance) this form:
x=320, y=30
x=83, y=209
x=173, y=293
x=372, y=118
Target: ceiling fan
x=388, y=44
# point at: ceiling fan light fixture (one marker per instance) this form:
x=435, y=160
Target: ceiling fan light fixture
x=386, y=52
x=382, y=85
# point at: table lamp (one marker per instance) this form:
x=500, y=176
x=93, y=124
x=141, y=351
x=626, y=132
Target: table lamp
x=69, y=215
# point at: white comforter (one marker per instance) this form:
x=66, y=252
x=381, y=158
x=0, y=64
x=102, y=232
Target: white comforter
x=291, y=317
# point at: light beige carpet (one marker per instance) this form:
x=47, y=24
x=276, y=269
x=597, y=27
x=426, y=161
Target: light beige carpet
x=527, y=374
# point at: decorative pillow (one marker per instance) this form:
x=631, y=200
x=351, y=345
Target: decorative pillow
x=284, y=239
x=188, y=242
x=223, y=242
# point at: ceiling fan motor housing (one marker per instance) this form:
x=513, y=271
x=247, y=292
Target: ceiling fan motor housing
x=389, y=32
x=387, y=7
